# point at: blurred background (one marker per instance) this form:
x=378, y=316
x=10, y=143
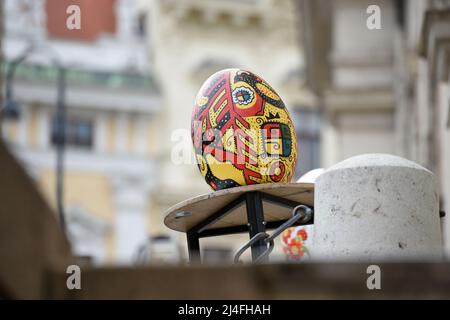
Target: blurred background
x=134, y=67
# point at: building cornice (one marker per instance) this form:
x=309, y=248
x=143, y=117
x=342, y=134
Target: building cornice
x=89, y=97
x=359, y=100
x=237, y=12
x=139, y=167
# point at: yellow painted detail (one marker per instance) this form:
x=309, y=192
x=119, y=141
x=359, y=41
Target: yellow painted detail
x=224, y=170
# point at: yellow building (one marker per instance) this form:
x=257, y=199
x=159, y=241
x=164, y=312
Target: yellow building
x=112, y=101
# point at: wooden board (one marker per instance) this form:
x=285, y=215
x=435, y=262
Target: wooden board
x=206, y=205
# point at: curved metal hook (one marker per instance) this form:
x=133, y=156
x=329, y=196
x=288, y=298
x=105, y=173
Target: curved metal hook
x=256, y=238
x=304, y=216
x=266, y=252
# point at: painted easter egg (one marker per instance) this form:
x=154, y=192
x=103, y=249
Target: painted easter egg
x=242, y=132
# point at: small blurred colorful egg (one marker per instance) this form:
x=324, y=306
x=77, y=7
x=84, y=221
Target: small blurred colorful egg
x=242, y=132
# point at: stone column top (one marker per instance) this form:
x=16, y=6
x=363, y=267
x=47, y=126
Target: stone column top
x=376, y=160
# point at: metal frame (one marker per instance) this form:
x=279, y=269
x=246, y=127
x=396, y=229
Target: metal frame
x=255, y=217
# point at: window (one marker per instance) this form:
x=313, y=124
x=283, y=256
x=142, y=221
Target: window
x=307, y=125
x=78, y=131
x=141, y=25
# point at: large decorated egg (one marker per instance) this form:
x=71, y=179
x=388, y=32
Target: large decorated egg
x=242, y=132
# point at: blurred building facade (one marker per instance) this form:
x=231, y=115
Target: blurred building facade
x=423, y=59
x=112, y=102
x=350, y=90
x=382, y=90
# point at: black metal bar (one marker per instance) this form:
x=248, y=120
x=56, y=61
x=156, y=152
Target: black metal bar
x=61, y=126
x=223, y=231
x=193, y=235
x=193, y=247
x=244, y=228
x=280, y=201
x=218, y=215
x=10, y=107
x=255, y=218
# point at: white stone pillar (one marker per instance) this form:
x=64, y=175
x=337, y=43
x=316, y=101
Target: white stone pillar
x=24, y=122
x=125, y=13
x=376, y=207
x=100, y=132
x=121, y=132
x=131, y=203
x=43, y=128
x=141, y=134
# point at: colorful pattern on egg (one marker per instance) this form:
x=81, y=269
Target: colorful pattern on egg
x=242, y=132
